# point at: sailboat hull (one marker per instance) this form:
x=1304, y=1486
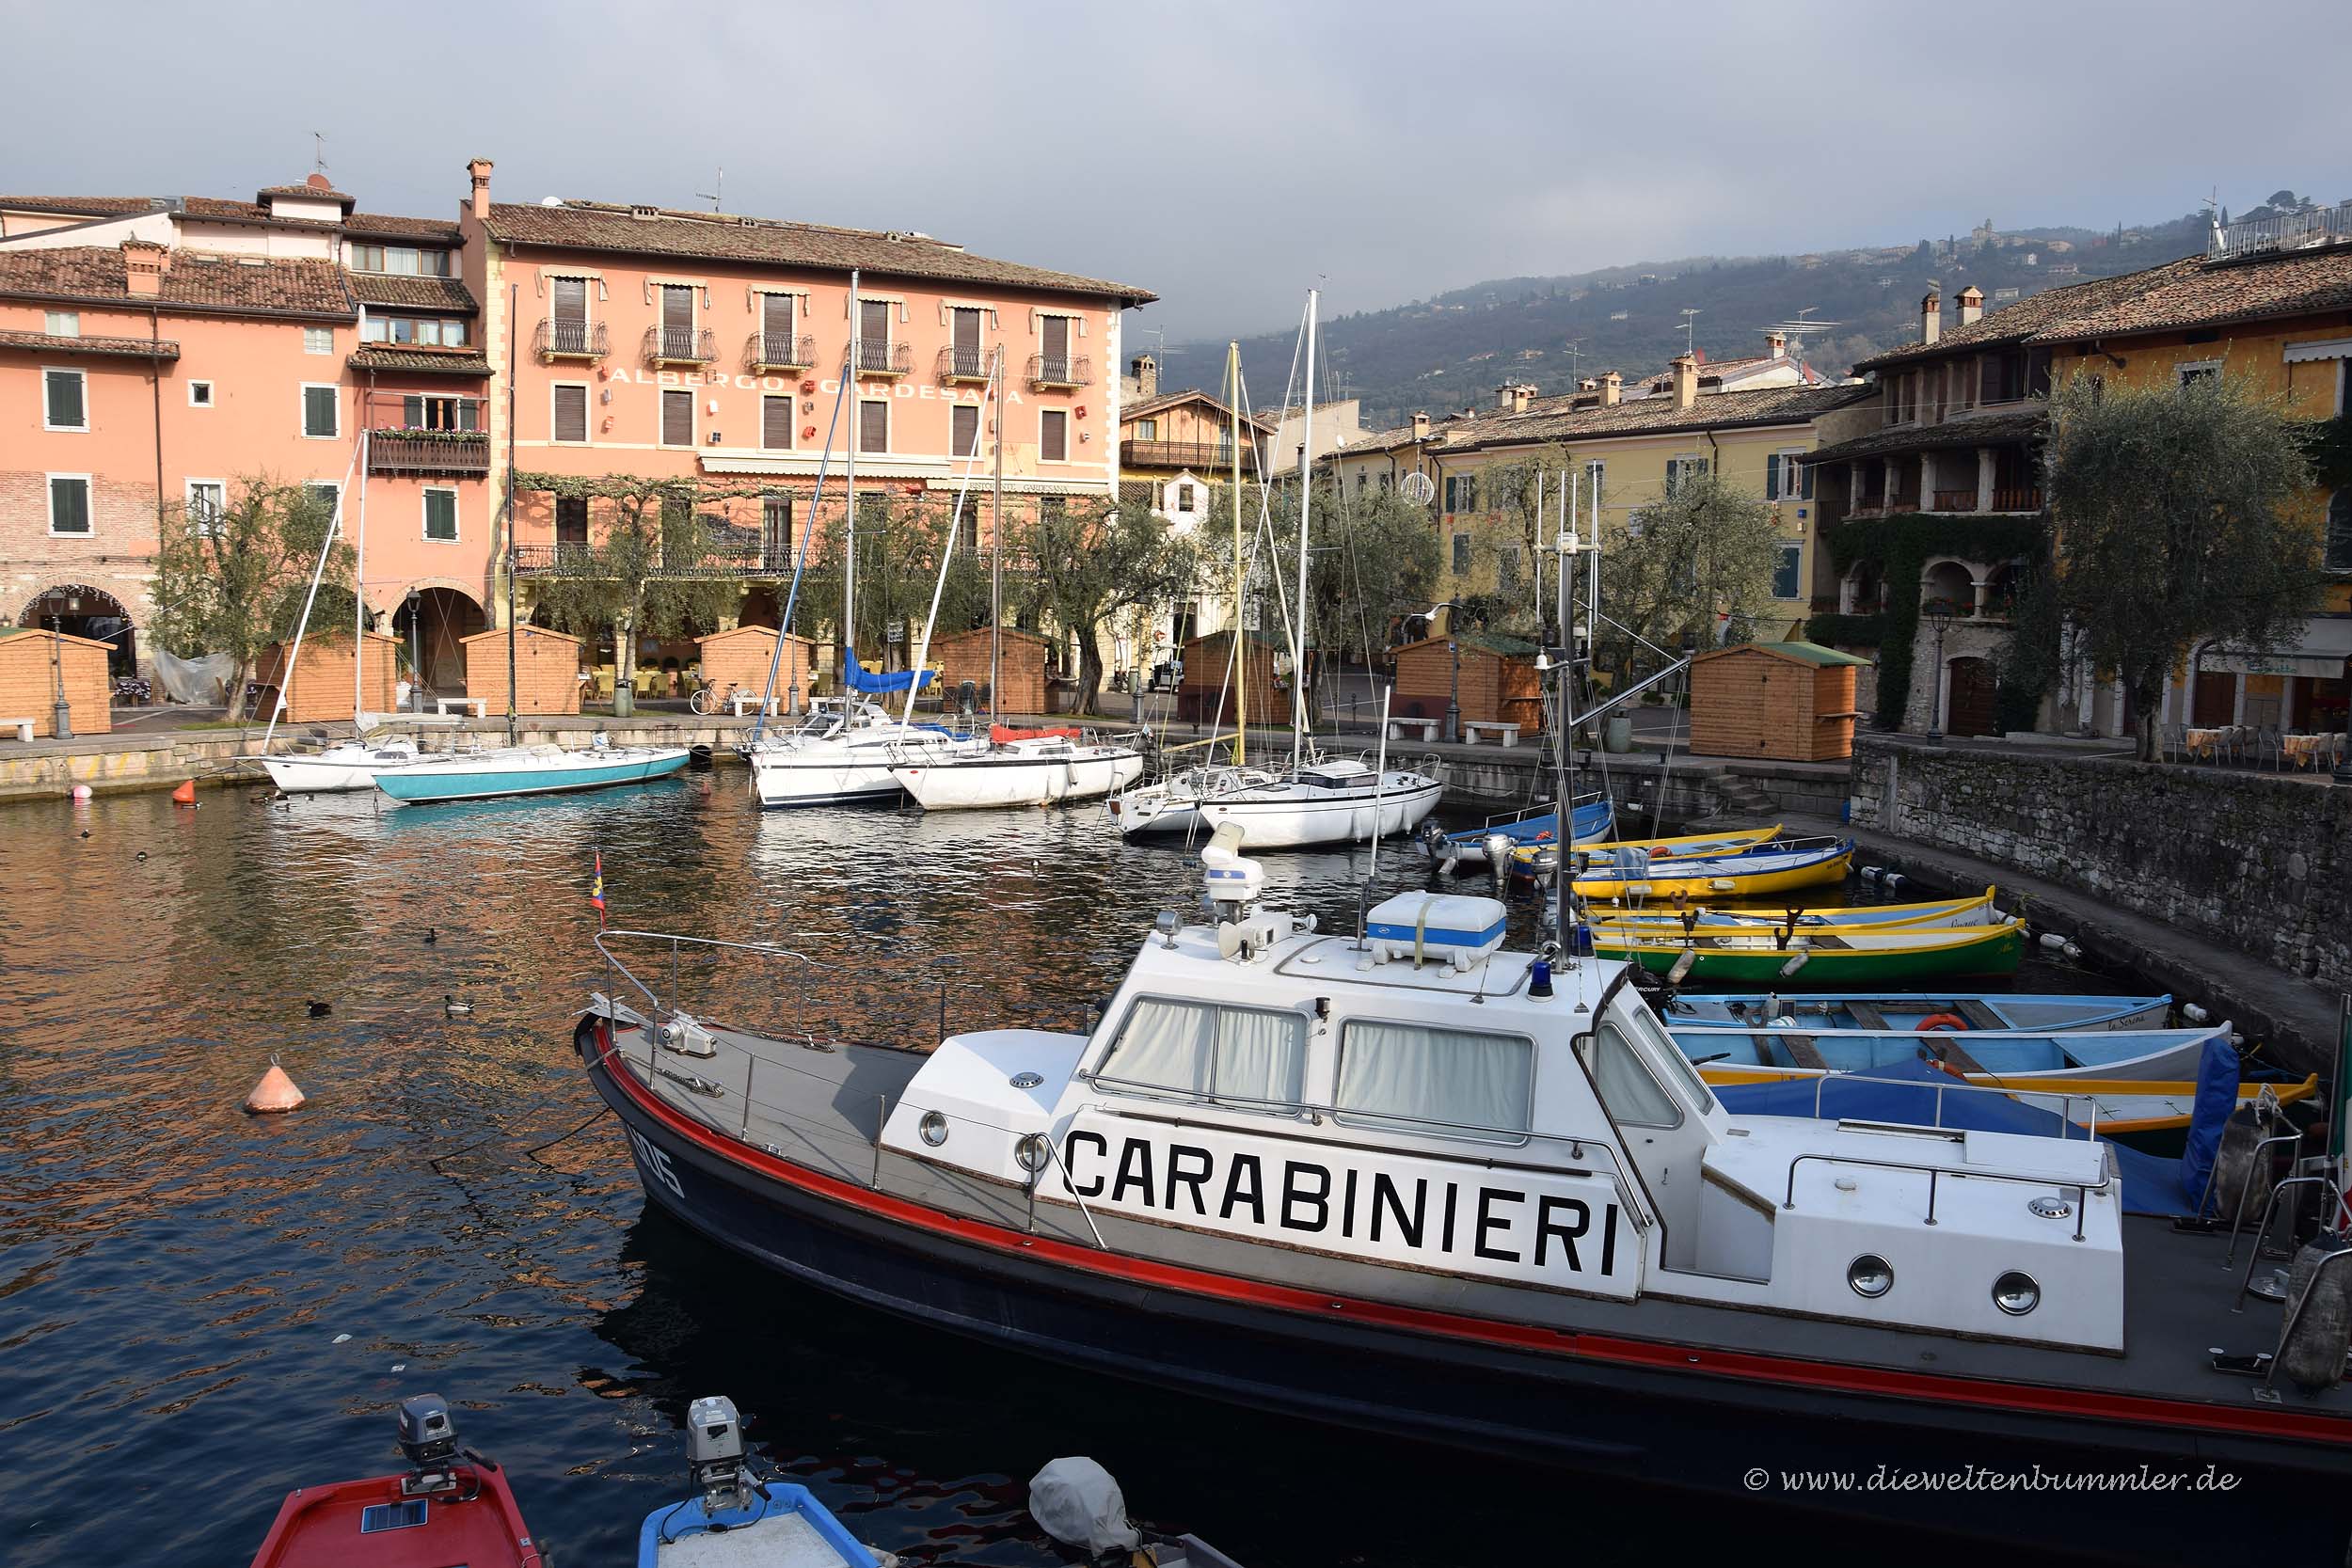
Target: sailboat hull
x=338, y=770
x=1001, y=781
x=1282, y=822
x=533, y=771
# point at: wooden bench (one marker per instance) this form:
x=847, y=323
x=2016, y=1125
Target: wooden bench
x=23, y=728
x=1428, y=728
x=1509, y=733
x=743, y=702
x=478, y=706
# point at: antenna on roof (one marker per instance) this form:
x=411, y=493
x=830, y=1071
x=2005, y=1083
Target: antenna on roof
x=1686, y=329
x=318, y=151
x=1575, y=351
x=721, y=184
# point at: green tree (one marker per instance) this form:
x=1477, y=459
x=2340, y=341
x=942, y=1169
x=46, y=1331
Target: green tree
x=899, y=540
x=234, y=580
x=1526, y=493
x=654, y=564
x=1707, y=550
x=1085, y=564
x=2184, y=514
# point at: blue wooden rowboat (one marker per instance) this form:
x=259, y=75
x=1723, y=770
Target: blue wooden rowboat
x=508, y=771
x=1591, y=816
x=1970, y=1014
x=2011, y=1059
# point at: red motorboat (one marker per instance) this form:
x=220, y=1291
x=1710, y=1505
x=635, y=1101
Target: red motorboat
x=452, y=1505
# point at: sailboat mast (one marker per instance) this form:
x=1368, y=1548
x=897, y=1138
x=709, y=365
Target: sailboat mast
x=514, y=735
x=359, y=589
x=848, y=491
x=1305, y=493
x=995, y=414
x=1241, y=653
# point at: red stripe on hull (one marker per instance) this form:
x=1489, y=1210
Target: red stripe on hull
x=1749, y=1366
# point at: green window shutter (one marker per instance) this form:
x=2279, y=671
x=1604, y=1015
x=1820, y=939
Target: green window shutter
x=1805, y=483
x=318, y=411
x=69, y=506
x=440, y=515
x=66, y=409
x=1772, y=477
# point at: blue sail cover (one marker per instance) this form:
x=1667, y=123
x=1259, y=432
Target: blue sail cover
x=2216, y=1097
x=1906, y=1093
x=862, y=679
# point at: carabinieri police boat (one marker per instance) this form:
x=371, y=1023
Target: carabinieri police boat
x=1407, y=1182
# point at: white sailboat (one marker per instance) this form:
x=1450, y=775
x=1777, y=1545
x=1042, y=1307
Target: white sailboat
x=843, y=753
x=1317, y=800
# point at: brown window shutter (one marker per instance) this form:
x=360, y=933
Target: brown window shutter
x=1058, y=338
x=775, y=423
x=964, y=424
x=571, y=300
x=1053, y=444
x=776, y=315
x=678, y=305
x=874, y=320
x=571, y=413
x=873, y=427
x=677, y=419
x=967, y=331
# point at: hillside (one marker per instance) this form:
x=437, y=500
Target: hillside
x=1452, y=350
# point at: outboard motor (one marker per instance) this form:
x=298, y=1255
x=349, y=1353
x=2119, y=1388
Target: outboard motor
x=714, y=1455
x=1076, y=1502
x=2242, y=1182
x=428, y=1440
x=2315, y=1341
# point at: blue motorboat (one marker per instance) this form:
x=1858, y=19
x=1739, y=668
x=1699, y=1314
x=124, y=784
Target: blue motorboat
x=736, y=1516
x=1592, y=818
x=508, y=771
x=1975, y=1012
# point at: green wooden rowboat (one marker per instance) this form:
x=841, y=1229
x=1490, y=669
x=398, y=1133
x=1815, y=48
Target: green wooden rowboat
x=1823, y=957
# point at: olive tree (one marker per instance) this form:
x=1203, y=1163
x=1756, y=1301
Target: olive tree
x=2184, y=514
x=1084, y=564
x=232, y=579
x=1704, y=552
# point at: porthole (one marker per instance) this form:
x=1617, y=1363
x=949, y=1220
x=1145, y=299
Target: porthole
x=2016, y=1293
x=1030, y=1151
x=1870, y=1275
x=933, y=1127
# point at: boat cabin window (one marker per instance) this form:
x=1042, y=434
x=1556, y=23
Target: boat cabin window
x=1628, y=1092
x=1678, y=1067
x=1411, y=1076
x=1253, y=1057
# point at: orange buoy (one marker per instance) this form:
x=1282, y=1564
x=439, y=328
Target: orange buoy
x=185, y=794
x=275, y=1092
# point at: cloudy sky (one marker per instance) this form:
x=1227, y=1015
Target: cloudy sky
x=1226, y=155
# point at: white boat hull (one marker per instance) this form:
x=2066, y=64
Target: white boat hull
x=338, y=770
x=1009, y=779
x=1283, y=818
x=855, y=770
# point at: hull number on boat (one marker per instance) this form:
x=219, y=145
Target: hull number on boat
x=654, y=1163
x=1533, y=1226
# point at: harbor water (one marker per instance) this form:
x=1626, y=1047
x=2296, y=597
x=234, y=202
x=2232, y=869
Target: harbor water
x=200, y=1309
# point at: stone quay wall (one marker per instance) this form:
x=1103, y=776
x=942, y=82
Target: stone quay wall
x=2258, y=862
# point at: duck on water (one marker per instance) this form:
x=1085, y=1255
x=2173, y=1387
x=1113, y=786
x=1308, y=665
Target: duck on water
x=1405, y=1181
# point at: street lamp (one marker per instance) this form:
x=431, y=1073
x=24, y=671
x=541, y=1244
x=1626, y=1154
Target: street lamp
x=61, y=720
x=1453, y=691
x=1935, y=684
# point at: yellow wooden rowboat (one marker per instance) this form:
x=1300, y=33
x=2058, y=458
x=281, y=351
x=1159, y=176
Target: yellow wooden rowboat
x=1668, y=918
x=2125, y=1106
x=1749, y=874
x=1684, y=845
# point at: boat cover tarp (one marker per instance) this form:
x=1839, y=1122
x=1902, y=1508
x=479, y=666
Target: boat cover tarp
x=1906, y=1093
x=1005, y=735
x=2216, y=1097
x=202, y=679
x=1077, y=1503
x=859, y=678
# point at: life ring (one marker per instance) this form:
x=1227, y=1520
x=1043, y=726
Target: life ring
x=1941, y=1020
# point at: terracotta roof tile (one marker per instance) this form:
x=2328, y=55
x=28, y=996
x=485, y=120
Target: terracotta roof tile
x=2014, y=424
x=763, y=242
x=249, y=286
x=1766, y=405
x=2197, y=292
x=1190, y=394
x=407, y=292
x=387, y=226
x=87, y=206
x=2027, y=317
x=414, y=357
x=316, y=192
x=51, y=343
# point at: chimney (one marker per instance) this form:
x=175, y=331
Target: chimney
x=1611, y=389
x=1506, y=399
x=1421, y=425
x=1776, y=344
x=144, y=264
x=1147, y=375
x=1971, y=305
x=1686, y=380
x=1930, y=317
x=479, y=169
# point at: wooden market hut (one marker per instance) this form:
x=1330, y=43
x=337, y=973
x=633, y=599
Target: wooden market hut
x=1790, y=702
x=34, y=660
x=741, y=659
x=1208, y=675
x=319, y=689
x=546, y=670
x=1020, y=666
x=1498, y=680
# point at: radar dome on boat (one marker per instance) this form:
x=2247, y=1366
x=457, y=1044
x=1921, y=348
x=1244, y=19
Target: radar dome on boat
x=1230, y=876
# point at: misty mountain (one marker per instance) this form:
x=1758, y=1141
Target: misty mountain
x=1451, y=351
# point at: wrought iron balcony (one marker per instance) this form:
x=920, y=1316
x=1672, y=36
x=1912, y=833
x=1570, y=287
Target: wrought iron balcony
x=571, y=340
x=2320, y=226
x=877, y=359
x=964, y=364
x=1067, y=370
x=726, y=558
x=428, y=451
x=1208, y=458
x=679, y=345
x=564, y=560
x=780, y=351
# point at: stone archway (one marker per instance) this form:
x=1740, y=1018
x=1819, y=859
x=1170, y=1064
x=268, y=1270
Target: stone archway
x=80, y=610
x=432, y=623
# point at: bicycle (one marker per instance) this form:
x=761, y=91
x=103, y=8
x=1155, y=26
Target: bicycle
x=708, y=699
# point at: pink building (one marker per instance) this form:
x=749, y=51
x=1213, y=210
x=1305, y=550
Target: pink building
x=155, y=351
